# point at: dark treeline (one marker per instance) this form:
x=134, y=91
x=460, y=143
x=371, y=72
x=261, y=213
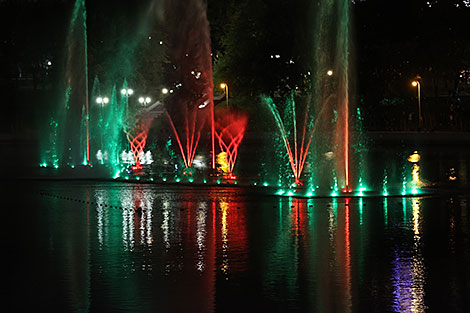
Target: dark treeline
x=259, y=46
x=395, y=42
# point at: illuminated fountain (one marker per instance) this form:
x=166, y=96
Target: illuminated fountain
x=296, y=136
x=191, y=108
x=315, y=125
x=320, y=146
x=68, y=140
x=229, y=130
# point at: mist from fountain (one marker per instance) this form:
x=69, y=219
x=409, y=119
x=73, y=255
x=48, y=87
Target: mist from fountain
x=191, y=108
x=66, y=143
x=315, y=126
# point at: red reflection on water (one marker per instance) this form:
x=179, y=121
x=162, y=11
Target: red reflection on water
x=299, y=217
x=347, y=252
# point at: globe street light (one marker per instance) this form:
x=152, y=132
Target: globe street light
x=164, y=91
x=144, y=101
x=102, y=101
x=329, y=73
x=225, y=87
x=127, y=92
x=417, y=84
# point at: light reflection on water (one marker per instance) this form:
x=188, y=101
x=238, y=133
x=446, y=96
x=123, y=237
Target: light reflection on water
x=230, y=252
x=409, y=269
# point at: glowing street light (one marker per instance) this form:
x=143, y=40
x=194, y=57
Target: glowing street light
x=329, y=73
x=102, y=100
x=127, y=92
x=164, y=91
x=416, y=83
x=224, y=86
x=144, y=101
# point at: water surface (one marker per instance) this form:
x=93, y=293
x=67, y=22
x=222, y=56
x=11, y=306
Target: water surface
x=78, y=246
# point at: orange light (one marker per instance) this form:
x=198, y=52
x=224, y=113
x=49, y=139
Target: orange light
x=414, y=158
x=223, y=85
x=414, y=83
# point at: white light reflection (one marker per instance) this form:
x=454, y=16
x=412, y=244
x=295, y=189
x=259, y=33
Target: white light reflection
x=102, y=198
x=409, y=272
x=148, y=217
x=127, y=220
x=416, y=217
x=201, y=216
x=165, y=224
x=100, y=217
x=332, y=211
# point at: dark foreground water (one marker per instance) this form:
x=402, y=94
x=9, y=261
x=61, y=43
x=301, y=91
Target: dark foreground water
x=83, y=247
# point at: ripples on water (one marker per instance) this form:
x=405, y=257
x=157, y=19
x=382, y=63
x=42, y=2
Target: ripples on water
x=141, y=248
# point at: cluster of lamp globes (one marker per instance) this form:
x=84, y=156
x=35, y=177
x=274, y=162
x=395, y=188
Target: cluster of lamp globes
x=124, y=92
x=130, y=92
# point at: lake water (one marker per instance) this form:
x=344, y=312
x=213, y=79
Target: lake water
x=85, y=246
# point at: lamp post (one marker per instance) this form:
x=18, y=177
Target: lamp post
x=417, y=84
x=102, y=101
x=224, y=86
x=144, y=100
x=127, y=92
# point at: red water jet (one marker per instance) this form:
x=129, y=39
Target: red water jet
x=229, y=130
x=298, y=156
x=193, y=124
x=139, y=141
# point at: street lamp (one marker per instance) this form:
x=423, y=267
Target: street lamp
x=417, y=84
x=144, y=101
x=329, y=73
x=164, y=91
x=102, y=100
x=224, y=86
x=127, y=92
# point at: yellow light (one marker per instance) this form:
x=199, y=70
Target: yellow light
x=415, y=174
x=329, y=73
x=222, y=161
x=414, y=83
x=414, y=158
x=223, y=85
